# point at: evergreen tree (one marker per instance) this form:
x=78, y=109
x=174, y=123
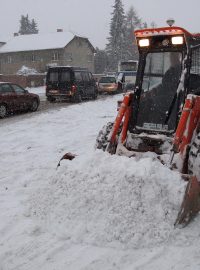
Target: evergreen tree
x=133, y=22
x=27, y=27
x=23, y=25
x=145, y=25
x=100, y=61
x=115, y=46
x=153, y=25
x=34, y=28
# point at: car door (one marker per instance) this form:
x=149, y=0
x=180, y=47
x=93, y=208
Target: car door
x=79, y=82
x=65, y=80
x=23, y=99
x=92, y=84
x=87, y=84
x=7, y=96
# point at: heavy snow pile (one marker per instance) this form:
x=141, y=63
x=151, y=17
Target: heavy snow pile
x=106, y=200
x=26, y=71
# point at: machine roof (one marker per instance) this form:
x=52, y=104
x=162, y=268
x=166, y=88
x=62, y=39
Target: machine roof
x=163, y=31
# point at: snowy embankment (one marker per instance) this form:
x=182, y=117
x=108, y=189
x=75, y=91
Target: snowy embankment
x=95, y=212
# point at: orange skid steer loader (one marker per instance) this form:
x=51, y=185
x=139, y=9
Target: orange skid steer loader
x=162, y=113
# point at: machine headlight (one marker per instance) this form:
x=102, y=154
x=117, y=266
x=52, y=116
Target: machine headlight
x=144, y=42
x=177, y=40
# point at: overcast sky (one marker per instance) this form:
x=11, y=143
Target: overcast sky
x=91, y=18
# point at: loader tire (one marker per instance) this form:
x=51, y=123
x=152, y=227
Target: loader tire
x=102, y=138
x=194, y=156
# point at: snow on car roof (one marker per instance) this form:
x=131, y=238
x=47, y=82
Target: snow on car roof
x=37, y=42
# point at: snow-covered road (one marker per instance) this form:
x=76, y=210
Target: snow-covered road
x=95, y=212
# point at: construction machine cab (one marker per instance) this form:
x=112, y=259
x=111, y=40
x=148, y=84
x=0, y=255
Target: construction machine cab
x=169, y=69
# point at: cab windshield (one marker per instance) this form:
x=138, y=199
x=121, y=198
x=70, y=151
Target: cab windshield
x=160, y=81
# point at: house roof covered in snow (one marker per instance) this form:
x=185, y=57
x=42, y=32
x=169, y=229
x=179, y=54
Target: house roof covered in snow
x=36, y=42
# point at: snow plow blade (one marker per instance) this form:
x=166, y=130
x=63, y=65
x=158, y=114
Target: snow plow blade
x=191, y=203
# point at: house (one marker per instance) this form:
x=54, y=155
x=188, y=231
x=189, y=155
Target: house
x=39, y=51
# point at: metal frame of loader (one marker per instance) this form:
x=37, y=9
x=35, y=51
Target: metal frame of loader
x=188, y=119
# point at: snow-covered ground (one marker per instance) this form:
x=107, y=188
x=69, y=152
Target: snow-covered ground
x=95, y=212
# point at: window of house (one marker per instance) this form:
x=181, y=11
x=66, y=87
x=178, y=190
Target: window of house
x=89, y=57
x=9, y=59
x=33, y=58
x=68, y=56
x=55, y=56
x=24, y=57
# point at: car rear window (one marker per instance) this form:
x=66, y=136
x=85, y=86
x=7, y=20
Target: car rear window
x=53, y=76
x=107, y=80
x=65, y=76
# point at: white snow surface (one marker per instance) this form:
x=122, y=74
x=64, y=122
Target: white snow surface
x=95, y=212
x=24, y=70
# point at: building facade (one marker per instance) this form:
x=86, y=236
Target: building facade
x=41, y=51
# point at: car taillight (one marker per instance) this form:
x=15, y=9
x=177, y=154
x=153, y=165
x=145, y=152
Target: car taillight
x=73, y=88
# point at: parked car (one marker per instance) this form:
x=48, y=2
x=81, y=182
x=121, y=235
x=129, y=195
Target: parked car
x=108, y=84
x=71, y=83
x=14, y=98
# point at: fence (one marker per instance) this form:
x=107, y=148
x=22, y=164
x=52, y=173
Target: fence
x=25, y=81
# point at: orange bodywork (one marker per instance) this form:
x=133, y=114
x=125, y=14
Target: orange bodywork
x=124, y=110
x=189, y=119
x=125, y=125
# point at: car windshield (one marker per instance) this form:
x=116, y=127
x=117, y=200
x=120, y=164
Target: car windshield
x=107, y=80
x=160, y=82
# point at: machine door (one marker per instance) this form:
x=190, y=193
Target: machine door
x=194, y=80
x=161, y=79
